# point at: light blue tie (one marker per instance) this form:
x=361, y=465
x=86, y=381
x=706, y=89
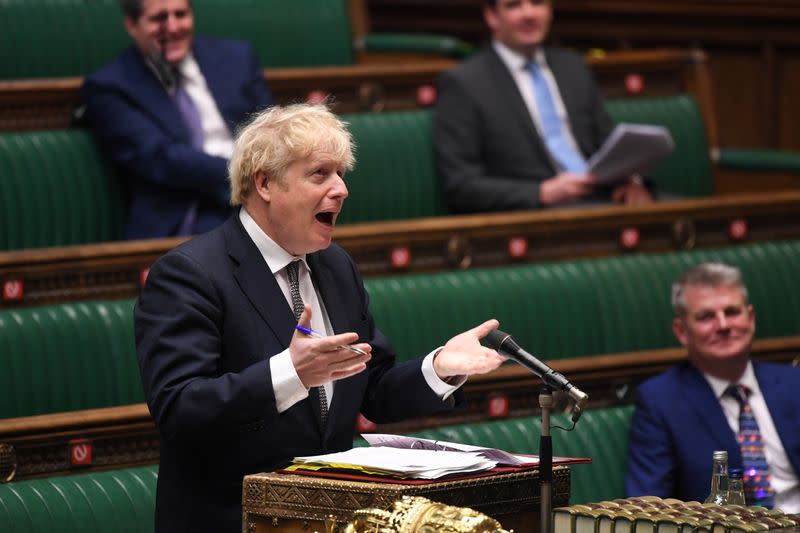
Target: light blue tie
x=554, y=136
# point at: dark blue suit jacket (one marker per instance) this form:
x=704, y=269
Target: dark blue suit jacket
x=139, y=126
x=678, y=423
x=207, y=321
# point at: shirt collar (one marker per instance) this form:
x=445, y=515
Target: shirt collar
x=748, y=379
x=516, y=61
x=188, y=67
x=276, y=257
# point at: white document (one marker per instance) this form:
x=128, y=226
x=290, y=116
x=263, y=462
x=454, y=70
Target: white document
x=404, y=462
x=401, y=441
x=630, y=149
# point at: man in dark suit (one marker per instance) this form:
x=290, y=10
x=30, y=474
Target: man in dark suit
x=165, y=110
x=233, y=387
x=514, y=124
x=685, y=414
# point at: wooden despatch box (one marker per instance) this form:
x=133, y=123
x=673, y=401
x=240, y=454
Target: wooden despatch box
x=275, y=502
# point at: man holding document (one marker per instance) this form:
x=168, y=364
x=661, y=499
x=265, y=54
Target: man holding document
x=255, y=341
x=515, y=124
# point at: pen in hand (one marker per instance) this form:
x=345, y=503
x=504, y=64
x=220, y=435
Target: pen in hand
x=311, y=333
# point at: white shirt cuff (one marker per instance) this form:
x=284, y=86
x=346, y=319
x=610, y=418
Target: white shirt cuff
x=443, y=389
x=286, y=383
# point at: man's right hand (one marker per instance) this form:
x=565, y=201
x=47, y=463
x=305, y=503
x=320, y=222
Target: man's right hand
x=319, y=360
x=565, y=188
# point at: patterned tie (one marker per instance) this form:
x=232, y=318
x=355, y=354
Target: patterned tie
x=757, y=488
x=554, y=135
x=191, y=118
x=297, y=306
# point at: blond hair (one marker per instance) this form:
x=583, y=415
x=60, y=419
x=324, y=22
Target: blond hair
x=279, y=136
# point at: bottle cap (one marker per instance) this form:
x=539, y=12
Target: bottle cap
x=720, y=455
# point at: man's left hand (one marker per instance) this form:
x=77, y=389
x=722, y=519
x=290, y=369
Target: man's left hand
x=464, y=355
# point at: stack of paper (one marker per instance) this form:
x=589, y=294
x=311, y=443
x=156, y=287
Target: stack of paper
x=630, y=149
x=493, y=454
x=401, y=463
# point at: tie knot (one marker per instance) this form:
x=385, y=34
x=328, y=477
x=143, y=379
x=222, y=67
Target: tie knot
x=739, y=392
x=292, y=269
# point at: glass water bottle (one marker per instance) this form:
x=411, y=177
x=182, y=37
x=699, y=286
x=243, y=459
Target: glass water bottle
x=735, y=487
x=719, y=479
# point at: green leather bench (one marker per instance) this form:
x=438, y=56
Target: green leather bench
x=67, y=357
x=578, y=308
x=57, y=190
x=75, y=37
x=80, y=356
x=116, y=500
x=600, y=434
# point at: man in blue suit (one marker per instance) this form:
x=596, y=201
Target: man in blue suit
x=685, y=414
x=233, y=387
x=165, y=110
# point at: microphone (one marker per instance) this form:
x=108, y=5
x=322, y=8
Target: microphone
x=507, y=346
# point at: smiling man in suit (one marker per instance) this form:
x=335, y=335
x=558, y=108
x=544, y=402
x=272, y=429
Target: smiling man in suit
x=164, y=111
x=720, y=399
x=515, y=123
x=233, y=387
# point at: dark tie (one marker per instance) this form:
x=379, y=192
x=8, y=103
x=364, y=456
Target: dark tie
x=554, y=135
x=297, y=306
x=757, y=487
x=191, y=118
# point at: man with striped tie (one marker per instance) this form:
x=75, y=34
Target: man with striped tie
x=720, y=399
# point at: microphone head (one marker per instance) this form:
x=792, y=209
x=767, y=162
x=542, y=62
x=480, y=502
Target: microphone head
x=502, y=342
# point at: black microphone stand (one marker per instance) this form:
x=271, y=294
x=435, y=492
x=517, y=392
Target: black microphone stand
x=546, y=463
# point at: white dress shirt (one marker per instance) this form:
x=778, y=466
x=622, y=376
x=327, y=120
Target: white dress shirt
x=784, y=480
x=285, y=382
x=217, y=139
x=517, y=66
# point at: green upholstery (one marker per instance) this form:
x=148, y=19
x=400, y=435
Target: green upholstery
x=67, y=357
x=117, y=500
x=577, y=308
x=417, y=43
x=688, y=170
x=601, y=434
x=76, y=37
x=395, y=173
x=56, y=190
x=760, y=159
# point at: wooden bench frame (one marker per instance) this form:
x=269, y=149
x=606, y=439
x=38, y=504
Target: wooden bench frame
x=125, y=436
x=374, y=86
x=117, y=270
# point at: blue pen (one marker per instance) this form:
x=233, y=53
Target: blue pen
x=311, y=333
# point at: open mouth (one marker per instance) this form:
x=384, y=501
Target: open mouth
x=326, y=217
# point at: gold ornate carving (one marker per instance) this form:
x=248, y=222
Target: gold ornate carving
x=415, y=514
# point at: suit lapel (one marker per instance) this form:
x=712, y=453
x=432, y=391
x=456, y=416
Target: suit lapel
x=508, y=95
x=143, y=86
x=329, y=291
x=782, y=408
x=700, y=399
x=257, y=282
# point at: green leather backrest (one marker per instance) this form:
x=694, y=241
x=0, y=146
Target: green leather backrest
x=601, y=434
x=46, y=38
x=67, y=357
x=116, y=500
x=582, y=307
x=687, y=172
x=56, y=190
x=395, y=176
